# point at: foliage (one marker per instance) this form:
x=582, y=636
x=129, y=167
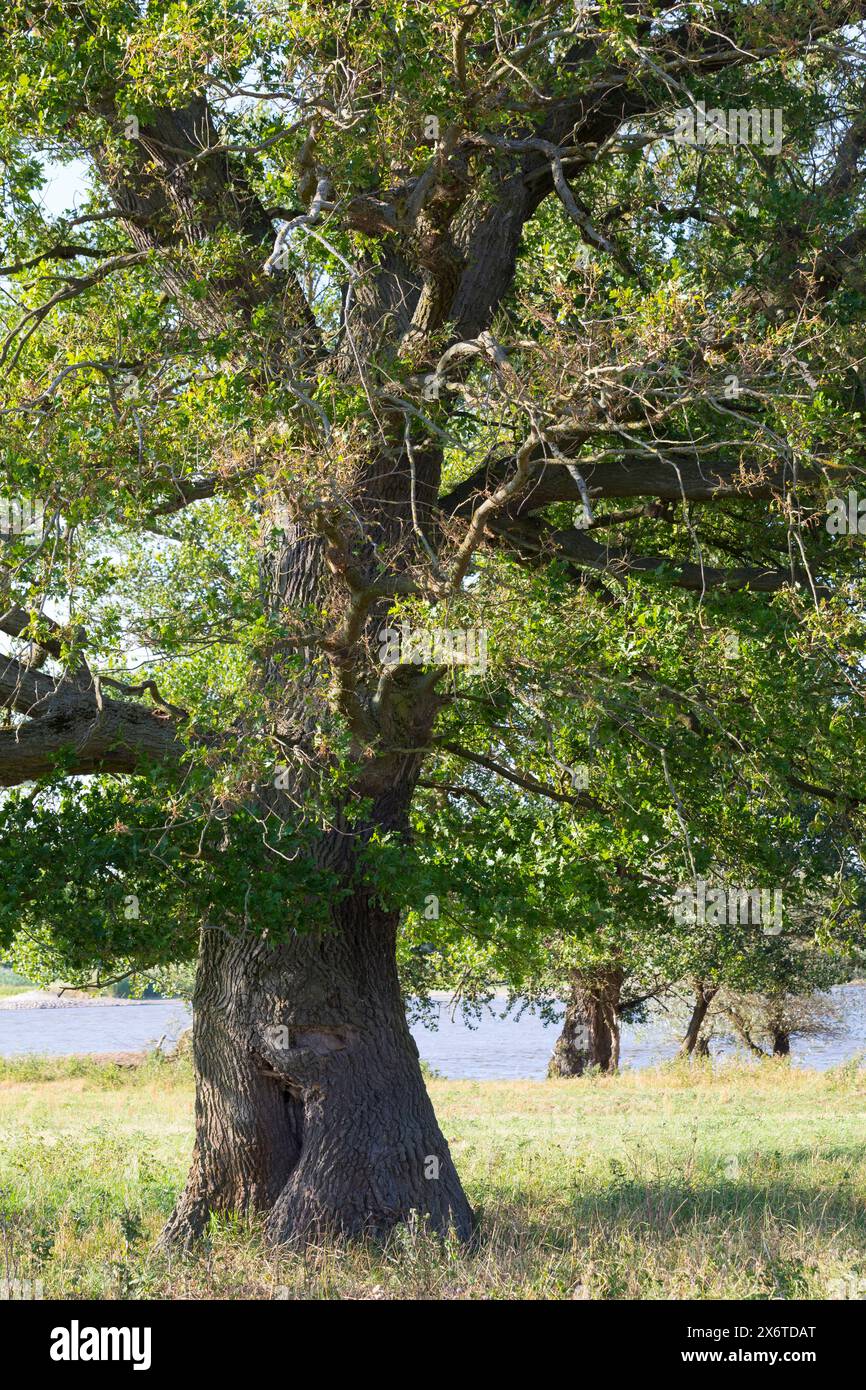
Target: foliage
x=698, y=649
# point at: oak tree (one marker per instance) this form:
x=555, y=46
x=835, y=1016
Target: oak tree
x=512, y=321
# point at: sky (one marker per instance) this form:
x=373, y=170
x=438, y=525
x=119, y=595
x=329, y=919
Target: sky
x=65, y=186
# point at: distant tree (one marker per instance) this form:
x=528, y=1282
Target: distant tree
x=516, y=907
x=765, y=1023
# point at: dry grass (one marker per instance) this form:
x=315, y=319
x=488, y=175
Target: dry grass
x=743, y=1182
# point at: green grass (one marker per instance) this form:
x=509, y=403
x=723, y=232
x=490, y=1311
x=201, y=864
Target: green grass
x=743, y=1182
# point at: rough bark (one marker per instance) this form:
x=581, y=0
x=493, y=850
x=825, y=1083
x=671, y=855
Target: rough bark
x=637, y=477
x=74, y=717
x=310, y=1104
x=311, y=1107
x=590, y=1034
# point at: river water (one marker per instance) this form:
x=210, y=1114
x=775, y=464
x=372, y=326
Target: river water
x=494, y=1047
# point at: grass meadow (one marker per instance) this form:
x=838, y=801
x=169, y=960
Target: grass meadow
x=739, y=1181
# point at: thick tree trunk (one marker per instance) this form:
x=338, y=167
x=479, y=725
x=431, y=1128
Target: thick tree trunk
x=311, y=1107
x=781, y=1043
x=704, y=996
x=590, y=1034
x=310, y=1103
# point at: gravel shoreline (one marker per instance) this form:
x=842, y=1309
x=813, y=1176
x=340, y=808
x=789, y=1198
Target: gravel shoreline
x=70, y=999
